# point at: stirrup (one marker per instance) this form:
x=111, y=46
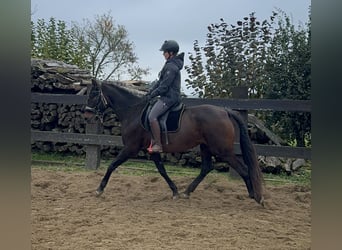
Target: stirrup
x=155, y=148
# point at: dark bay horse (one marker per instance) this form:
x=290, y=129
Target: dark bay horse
x=210, y=127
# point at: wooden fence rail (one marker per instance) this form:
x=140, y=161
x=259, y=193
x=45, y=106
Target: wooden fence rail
x=93, y=140
x=110, y=140
x=238, y=104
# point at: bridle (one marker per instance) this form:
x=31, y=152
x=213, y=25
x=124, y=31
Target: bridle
x=102, y=101
x=102, y=104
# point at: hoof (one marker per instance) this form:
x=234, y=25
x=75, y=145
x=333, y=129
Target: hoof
x=185, y=196
x=98, y=193
x=175, y=197
x=261, y=201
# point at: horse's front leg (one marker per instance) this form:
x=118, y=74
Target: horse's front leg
x=160, y=166
x=121, y=158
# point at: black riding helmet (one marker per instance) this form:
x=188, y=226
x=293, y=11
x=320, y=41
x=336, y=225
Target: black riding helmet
x=170, y=46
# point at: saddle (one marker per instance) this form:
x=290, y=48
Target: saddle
x=169, y=122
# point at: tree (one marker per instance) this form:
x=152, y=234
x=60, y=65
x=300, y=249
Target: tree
x=101, y=46
x=272, y=59
x=289, y=76
x=109, y=50
x=234, y=55
x=53, y=40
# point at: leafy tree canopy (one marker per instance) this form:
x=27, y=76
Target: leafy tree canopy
x=271, y=57
x=99, y=45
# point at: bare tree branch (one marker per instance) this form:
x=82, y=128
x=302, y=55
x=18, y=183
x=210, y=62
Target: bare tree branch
x=110, y=51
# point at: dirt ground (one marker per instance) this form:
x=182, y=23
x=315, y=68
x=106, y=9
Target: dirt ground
x=137, y=212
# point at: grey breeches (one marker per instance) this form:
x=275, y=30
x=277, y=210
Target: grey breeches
x=157, y=110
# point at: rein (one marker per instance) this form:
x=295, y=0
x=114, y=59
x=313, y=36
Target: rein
x=103, y=101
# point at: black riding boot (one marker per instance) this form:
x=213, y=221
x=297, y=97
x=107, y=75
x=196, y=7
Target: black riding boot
x=157, y=146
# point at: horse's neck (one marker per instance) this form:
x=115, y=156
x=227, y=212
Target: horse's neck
x=123, y=103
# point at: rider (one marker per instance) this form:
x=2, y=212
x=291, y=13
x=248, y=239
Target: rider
x=167, y=87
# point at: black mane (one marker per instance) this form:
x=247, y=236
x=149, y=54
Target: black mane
x=129, y=93
x=124, y=101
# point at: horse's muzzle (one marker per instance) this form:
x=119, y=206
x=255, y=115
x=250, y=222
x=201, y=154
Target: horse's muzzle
x=88, y=113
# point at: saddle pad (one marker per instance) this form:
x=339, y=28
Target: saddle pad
x=172, y=122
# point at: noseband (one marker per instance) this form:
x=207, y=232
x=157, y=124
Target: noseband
x=97, y=109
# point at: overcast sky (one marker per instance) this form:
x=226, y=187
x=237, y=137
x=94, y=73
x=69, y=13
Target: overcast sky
x=150, y=22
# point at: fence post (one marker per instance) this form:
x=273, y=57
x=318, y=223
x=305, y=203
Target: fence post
x=239, y=92
x=93, y=152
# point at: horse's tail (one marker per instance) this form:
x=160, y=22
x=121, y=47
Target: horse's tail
x=249, y=157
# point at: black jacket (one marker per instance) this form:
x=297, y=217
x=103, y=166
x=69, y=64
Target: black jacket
x=169, y=84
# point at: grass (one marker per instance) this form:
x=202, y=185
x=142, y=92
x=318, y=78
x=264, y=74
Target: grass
x=57, y=157
x=131, y=167
x=302, y=177
x=71, y=163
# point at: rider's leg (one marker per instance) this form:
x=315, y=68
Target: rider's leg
x=158, y=109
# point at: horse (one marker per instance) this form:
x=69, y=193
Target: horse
x=211, y=127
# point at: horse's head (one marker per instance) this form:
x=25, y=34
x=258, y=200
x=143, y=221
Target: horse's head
x=96, y=102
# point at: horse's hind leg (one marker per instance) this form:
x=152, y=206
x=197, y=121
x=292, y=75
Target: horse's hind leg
x=205, y=169
x=160, y=166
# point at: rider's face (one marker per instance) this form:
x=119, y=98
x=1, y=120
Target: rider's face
x=166, y=55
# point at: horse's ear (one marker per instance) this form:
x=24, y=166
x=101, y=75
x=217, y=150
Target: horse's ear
x=82, y=91
x=95, y=83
